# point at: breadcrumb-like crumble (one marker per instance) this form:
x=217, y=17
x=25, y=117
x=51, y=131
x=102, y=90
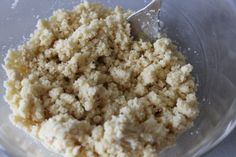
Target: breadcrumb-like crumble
x=84, y=88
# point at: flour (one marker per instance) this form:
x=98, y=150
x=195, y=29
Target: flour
x=14, y=4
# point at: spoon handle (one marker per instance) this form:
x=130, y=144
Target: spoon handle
x=154, y=5
x=145, y=23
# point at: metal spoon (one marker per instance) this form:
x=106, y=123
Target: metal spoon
x=145, y=23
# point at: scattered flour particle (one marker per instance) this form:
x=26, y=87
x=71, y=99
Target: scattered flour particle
x=14, y=4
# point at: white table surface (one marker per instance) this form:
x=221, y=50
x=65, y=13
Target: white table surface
x=227, y=148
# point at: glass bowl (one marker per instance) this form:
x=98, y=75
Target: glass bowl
x=203, y=30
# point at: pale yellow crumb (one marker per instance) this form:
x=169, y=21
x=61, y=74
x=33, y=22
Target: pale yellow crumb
x=84, y=88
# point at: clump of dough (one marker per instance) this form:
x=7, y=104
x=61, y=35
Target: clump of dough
x=83, y=87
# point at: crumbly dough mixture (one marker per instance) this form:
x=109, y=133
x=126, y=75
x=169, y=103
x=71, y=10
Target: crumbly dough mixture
x=84, y=88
